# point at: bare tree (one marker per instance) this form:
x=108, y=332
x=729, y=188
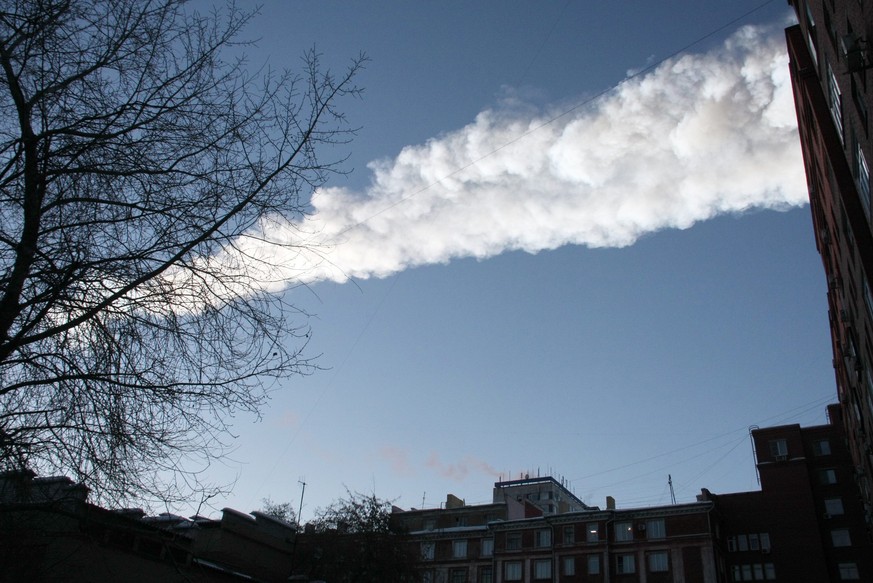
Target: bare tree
x=132, y=150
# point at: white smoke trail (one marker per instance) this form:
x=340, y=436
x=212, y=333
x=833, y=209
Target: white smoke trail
x=700, y=135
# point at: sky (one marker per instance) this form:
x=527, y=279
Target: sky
x=574, y=241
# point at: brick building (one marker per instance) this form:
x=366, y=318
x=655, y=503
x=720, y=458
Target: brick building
x=806, y=523
x=536, y=530
x=830, y=69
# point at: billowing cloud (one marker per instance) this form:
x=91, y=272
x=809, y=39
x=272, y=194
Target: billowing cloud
x=698, y=136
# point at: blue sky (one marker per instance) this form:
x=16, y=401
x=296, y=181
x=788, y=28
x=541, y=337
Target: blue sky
x=530, y=304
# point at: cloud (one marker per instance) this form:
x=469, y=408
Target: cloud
x=458, y=471
x=698, y=136
x=398, y=459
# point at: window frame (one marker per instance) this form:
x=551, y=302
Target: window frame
x=656, y=528
x=542, y=569
x=514, y=566
x=543, y=538
x=625, y=563
x=658, y=561
x=592, y=561
x=623, y=532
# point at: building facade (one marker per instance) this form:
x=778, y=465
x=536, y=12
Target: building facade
x=806, y=522
x=535, y=530
x=830, y=70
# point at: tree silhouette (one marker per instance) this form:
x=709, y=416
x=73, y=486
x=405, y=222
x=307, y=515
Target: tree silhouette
x=136, y=161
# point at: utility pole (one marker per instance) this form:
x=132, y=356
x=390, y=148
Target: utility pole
x=302, y=482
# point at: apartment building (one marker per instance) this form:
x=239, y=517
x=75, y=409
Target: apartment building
x=830, y=71
x=806, y=522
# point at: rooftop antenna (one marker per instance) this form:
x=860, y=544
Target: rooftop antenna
x=422, y=498
x=302, y=482
x=753, y=428
x=672, y=493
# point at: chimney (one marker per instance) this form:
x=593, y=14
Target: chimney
x=453, y=501
x=610, y=503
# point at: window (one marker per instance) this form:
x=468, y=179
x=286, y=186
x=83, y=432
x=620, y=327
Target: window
x=513, y=541
x=542, y=569
x=840, y=537
x=779, y=449
x=827, y=476
x=822, y=446
x=459, y=549
x=625, y=564
x=862, y=176
x=753, y=572
x=658, y=562
x=655, y=528
x=810, y=35
x=512, y=571
x=543, y=538
x=765, y=541
x=487, y=547
x=569, y=535
x=742, y=543
x=754, y=542
x=835, y=100
x=593, y=564
x=427, y=551
x=569, y=565
x=849, y=572
x=427, y=577
x=833, y=506
x=759, y=571
x=732, y=544
x=458, y=575
x=591, y=533
x=624, y=531
x=486, y=575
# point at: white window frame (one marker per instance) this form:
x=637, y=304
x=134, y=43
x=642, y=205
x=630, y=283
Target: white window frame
x=779, y=448
x=487, y=547
x=427, y=551
x=543, y=538
x=592, y=532
x=459, y=549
